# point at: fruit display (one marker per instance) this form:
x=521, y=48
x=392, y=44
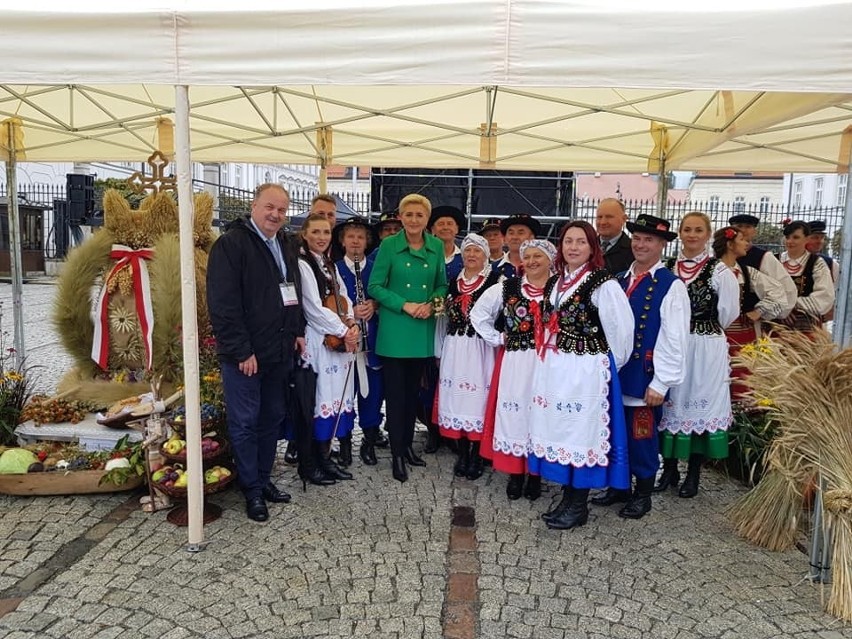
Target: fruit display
x=174, y=479
x=43, y=410
x=175, y=447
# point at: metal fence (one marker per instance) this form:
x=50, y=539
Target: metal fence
x=55, y=235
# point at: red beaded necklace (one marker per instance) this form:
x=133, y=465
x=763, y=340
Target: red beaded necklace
x=467, y=289
x=791, y=267
x=685, y=272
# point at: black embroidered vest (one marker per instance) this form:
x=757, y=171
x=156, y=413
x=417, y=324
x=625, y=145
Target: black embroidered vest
x=520, y=325
x=324, y=285
x=579, y=321
x=703, y=300
x=458, y=322
x=804, y=281
x=748, y=298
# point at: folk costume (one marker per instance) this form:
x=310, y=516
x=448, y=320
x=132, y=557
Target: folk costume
x=519, y=306
x=815, y=290
x=466, y=367
x=697, y=414
x=335, y=383
x=660, y=306
x=577, y=435
x=757, y=292
x=370, y=407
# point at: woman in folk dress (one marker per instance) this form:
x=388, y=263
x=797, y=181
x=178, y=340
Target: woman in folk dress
x=578, y=436
x=517, y=302
x=335, y=385
x=467, y=361
x=812, y=277
x=697, y=414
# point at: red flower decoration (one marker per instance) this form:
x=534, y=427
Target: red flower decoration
x=524, y=326
x=786, y=221
x=730, y=234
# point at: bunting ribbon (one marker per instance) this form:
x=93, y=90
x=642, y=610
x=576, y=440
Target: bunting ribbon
x=142, y=294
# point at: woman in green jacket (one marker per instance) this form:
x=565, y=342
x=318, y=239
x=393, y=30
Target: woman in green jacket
x=407, y=276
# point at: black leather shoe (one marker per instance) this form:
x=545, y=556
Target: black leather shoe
x=291, y=455
x=612, y=496
x=636, y=508
x=400, y=472
x=272, y=493
x=532, y=490
x=689, y=488
x=515, y=487
x=316, y=477
x=575, y=515
x=561, y=506
x=256, y=509
x=460, y=469
x=433, y=440
x=381, y=440
x=368, y=453
x=412, y=458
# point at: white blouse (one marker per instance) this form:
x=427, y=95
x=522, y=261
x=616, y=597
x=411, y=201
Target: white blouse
x=821, y=299
x=771, y=267
x=323, y=320
x=772, y=298
x=724, y=283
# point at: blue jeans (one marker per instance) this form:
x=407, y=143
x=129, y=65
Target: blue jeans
x=255, y=408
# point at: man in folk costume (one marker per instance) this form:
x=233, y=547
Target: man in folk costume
x=816, y=244
x=661, y=312
x=356, y=237
x=763, y=260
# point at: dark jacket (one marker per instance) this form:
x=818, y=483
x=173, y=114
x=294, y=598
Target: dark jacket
x=244, y=298
x=619, y=257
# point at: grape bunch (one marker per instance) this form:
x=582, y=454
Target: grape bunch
x=79, y=463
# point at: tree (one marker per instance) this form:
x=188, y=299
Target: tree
x=770, y=237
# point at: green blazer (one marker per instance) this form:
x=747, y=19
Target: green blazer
x=402, y=275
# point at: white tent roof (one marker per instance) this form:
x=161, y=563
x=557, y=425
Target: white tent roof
x=525, y=84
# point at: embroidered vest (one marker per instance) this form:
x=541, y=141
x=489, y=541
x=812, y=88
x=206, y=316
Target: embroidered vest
x=458, y=318
x=579, y=321
x=323, y=282
x=804, y=281
x=645, y=301
x=703, y=299
x=518, y=317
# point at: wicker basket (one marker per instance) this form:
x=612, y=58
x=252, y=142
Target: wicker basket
x=224, y=447
x=209, y=489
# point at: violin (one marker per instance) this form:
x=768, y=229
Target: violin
x=337, y=303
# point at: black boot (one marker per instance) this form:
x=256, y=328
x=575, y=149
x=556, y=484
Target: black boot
x=381, y=440
x=611, y=496
x=412, y=458
x=532, y=490
x=640, y=503
x=670, y=477
x=329, y=467
x=368, y=447
x=576, y=514
x=400, y=472
x=433, y=439
x=475, y=467
x=561, y=506
x=345, y=456
x=463, y=460
x=689, y=488
x=291, y=455
x=515, y=487
x=311, y=473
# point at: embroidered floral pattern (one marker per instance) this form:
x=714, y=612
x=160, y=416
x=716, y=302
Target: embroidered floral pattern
x=467, y=424
x=513, y=448
x=696, y=426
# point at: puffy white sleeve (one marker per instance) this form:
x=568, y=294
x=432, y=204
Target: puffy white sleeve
x=821, y=299
x=771, y=267
x=616, y=318
x=724, y=282
x=772, y=297
x=670, y=350
x=344, y=292
x=485, y=312
x=318, y=317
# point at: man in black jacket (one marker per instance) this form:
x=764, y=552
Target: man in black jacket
x=615, y=243
x=254, y=300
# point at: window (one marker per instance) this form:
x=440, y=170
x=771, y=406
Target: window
x=797, y=194
x=739, y=204
x=238, y=174
x=267, y=177
x=818, y=189
x=714, y=203
x=842, y=183
x=764, y=204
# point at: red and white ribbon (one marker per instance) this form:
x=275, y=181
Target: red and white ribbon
x=142, y=294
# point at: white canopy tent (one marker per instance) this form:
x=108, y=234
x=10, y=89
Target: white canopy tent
x=607, y=85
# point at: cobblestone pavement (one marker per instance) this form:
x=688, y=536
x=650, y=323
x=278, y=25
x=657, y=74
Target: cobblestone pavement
x=378, y=559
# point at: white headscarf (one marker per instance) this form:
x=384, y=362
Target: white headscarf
x=474, y=239
x=545, y=246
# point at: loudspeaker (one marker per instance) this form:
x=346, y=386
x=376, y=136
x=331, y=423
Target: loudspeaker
x=81, y=197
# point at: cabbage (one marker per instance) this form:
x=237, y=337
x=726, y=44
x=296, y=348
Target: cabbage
x=121, y=462
x=16, y=461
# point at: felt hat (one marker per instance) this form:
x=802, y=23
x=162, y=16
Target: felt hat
x=521, y=219
x=652, y=225
x=446, y=211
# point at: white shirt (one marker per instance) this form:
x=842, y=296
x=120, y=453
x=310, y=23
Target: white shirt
x=771, y=295
x=670, y=348
x=771, y=267
x=821, y=299
x=318, y=317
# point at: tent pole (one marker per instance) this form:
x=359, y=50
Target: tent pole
x=15, y=244
x=469, y=203
x=183, y=162
x=843, y=312
x=662, y=188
